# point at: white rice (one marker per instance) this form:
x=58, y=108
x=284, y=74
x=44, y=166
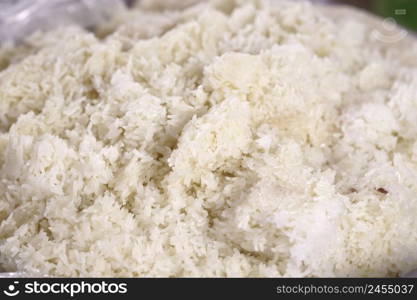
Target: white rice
x=232, y=138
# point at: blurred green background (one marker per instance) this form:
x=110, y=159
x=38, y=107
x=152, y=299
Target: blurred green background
x=403, y=11
x=387, y=8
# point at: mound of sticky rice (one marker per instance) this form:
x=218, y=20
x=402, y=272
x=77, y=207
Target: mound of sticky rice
x=227, y=138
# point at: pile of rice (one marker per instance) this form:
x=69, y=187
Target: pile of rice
x=230, y=138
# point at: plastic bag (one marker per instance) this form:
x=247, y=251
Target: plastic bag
x=19, y=18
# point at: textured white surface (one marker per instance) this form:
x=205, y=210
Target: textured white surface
x=235, y=138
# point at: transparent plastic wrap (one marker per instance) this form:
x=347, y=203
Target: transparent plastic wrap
x=20, y=18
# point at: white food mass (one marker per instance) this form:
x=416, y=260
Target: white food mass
x=228, y=138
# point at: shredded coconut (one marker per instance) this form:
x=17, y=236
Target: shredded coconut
x=229, y=138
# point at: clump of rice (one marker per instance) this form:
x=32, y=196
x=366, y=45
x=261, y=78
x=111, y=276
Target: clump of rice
x=231, y=138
